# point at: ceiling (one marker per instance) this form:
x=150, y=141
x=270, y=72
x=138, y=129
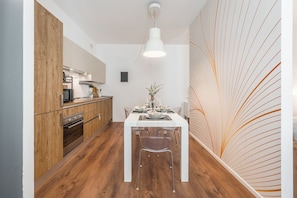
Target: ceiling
x=128, y=22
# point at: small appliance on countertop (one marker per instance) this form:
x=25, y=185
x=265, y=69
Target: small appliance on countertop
x=67, y=95
x=67, y=88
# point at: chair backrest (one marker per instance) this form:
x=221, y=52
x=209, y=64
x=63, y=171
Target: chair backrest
x=177, y=110
x=154, y=140
x=128, y=110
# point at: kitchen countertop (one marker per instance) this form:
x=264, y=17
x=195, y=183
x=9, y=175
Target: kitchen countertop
x=83, y=101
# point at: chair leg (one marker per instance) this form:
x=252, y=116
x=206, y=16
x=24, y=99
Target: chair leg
x=172, y=171
x=170, y=160
x=176, y=135
x=139, y=166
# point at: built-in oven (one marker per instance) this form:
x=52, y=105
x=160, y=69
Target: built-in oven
x=73, y=132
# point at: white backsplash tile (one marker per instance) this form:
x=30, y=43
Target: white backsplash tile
x=78, y=89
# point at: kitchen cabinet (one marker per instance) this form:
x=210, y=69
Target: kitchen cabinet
x=73, y=110
x=106, y=112
x=101, y=114
x=97, y=113
x=48, y=141
x=48, y=61
x=79, y=59
x=91, y=111
x=48, y=89
x=91, y=124
x=91, y=127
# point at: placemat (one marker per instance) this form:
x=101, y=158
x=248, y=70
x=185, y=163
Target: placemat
x=136, y=111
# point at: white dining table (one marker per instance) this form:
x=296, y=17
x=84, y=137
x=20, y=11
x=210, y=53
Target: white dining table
x=176, y=121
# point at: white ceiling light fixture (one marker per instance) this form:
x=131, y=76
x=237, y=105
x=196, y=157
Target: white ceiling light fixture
x=154, y=46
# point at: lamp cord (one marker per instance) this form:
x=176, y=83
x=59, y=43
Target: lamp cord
x=154, y=17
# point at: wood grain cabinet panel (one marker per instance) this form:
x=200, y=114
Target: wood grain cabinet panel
x=92, y=120
x=74, y=110
x=106, y=111
x=48, y=141
x=98, y=114
x=90, y=111
x=48, y=88
x=91, y=127
x=48, y=60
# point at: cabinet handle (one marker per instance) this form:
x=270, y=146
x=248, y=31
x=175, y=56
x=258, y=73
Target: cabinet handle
x=62, y=100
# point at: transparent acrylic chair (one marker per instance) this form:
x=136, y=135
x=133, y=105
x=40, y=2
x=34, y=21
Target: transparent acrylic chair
x=129, y=110
x=155, y=141
x=177, y=110
x=176, y=129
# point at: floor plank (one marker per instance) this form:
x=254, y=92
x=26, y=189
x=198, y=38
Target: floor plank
x=95, y=170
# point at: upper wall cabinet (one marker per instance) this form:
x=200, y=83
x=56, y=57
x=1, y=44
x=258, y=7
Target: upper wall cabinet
x=48, y=50
x=79, y=59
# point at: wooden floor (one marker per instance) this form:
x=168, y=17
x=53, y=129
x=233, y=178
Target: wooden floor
x=95, y=170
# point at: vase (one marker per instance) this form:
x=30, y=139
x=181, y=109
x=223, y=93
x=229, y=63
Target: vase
x=152, y=98
x=152, y=103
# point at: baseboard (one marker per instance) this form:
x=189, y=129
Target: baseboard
x=242, y=181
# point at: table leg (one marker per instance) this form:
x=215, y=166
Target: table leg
x=127, y=154
x=184, y=161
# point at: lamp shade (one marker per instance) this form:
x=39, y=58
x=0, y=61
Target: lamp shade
x=154, y=46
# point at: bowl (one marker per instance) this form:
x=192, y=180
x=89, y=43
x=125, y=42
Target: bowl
x=164, y=109
x=139, y=109
x=154, y=114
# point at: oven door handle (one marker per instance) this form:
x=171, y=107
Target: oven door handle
x=75, y=124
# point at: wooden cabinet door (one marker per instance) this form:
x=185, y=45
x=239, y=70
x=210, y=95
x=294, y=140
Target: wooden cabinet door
x=91, y=127
x=48, y=57
x=74, y=110
x=109, y=110
x=100, y=114
x=106, y=111
x=48, y=141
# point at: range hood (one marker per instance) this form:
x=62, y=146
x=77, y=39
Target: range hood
x=89, y=82
x=86, y=80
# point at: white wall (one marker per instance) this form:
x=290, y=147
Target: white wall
x=172, y=71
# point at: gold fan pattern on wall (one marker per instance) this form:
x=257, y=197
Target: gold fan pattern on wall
x=235, y=88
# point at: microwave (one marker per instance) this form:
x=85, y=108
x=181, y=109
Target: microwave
x=67, y=95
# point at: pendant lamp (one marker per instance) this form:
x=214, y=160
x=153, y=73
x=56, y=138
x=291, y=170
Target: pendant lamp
x=154, y=46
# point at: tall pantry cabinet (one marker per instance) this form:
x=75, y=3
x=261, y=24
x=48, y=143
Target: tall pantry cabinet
x=48, y=90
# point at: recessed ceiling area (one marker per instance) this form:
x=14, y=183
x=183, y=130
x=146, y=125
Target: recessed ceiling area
x=128, y=22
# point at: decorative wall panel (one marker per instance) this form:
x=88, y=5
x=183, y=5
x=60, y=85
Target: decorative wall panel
x=235, y=88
